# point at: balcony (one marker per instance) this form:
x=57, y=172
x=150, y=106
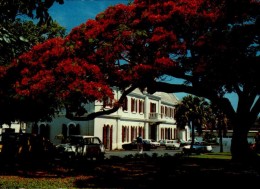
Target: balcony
x=156, y=117
x=159, y=118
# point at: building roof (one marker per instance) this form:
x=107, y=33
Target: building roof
x=168, y=98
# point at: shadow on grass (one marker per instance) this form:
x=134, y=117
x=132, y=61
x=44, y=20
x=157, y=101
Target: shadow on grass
x=141, y=171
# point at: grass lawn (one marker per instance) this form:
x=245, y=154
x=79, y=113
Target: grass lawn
x=139, y=171
x=215, y=155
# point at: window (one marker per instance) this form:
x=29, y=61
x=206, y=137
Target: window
x=141, y=106
x=45, y=131
x=162, y=111
x=125, y=134
x=169, y=112
x=64, y=131
x=107, y=102
x=152, y=107
x=133, y=105
x=74, y=129
x=125, y=104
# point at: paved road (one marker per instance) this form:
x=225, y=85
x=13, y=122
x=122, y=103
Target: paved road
x=159, y=151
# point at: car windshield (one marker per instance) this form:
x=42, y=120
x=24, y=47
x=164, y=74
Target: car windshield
x=75, y=140
x=146, y=141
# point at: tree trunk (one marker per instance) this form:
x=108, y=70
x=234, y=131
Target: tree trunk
x=220, y=140
x=240, y=149
x=192, y=133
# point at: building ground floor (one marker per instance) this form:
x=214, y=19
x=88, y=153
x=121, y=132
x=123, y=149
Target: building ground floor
x=113, y=131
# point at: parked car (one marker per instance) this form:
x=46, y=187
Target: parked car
x=154, y=143
x=133, y=145
x=80, y=147
x=183, y=142
x=190, y=140
x=198, y=148
x=64, y=151
x=172, y=144
x=162, y=142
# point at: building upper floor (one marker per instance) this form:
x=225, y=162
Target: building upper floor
x=157, y=107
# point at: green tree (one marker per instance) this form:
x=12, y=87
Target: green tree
x=21, y=36
x=192, y=111
x=34, y=9
x=17, y=36
x=221, y=123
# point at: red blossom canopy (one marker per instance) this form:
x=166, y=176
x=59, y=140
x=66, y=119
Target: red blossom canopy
x=52, y=68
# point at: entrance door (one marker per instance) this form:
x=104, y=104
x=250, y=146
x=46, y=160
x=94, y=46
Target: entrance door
x=153, y=131
x=107, y=136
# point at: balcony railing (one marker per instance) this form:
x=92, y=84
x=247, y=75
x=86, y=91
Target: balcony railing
x=155, y=115
x=158, y=117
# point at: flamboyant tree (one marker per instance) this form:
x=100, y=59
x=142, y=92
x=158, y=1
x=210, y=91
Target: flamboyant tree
x=213, y=46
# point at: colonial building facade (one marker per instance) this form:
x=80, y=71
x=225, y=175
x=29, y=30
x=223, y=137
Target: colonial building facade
x=152, y=116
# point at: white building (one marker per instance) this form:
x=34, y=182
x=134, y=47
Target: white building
x=152, y=116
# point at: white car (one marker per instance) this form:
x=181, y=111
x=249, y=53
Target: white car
x=190, y=140
x=198, y=147
x=172, y=144
x=154, y=143
x=81, y=146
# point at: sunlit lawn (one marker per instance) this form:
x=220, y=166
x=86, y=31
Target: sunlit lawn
x=20, y=182
x=8, y=182
x=215, y=155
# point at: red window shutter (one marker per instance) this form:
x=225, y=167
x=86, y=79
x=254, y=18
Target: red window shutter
x=132, y=104
x=110, y=137
x=125, y=104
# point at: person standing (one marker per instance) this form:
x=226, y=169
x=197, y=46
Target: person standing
x=139, y=140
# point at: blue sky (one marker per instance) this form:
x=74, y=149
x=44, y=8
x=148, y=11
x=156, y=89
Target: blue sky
x=75, y=12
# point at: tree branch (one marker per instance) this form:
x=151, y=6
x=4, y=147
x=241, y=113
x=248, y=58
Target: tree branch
x=93, y=115
x=256, y=108
x=224, y=103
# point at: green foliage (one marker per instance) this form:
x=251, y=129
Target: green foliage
x=19, y=36
x=210, y=138
x=192, y=108
x=34, y=9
